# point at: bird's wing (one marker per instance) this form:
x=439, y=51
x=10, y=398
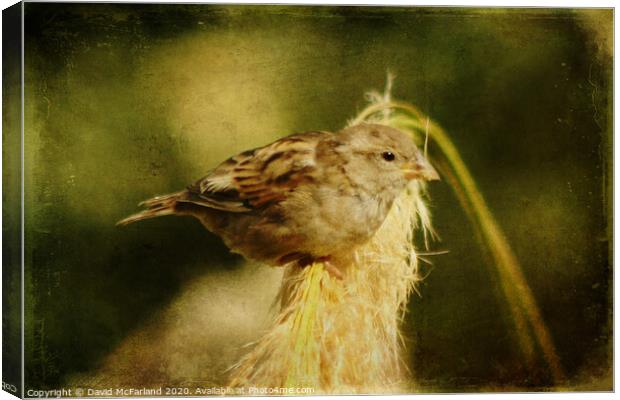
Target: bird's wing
x=260, y=177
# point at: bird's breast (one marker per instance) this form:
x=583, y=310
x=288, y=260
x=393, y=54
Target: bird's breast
x=332, y=221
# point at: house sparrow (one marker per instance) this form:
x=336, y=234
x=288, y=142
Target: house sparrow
x=308, y=197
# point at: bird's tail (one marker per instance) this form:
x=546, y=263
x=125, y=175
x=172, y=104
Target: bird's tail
x=155, y=207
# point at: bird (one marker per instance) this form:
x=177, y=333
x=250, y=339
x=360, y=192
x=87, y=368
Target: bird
x=307, y=197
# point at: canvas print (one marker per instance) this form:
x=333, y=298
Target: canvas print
x=268, y=200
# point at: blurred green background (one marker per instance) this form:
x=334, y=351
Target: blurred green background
x=127, y=101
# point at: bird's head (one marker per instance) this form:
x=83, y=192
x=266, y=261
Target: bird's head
x=384, y=157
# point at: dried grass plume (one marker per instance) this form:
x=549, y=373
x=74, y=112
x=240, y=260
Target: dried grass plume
x=343, y=336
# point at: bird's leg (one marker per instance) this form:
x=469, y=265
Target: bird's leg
x=306, y=260
x=330, y=267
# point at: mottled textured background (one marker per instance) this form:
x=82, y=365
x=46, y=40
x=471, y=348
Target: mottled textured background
x=127, y=101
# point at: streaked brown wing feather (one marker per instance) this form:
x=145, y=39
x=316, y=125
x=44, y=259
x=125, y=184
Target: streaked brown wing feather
x=260, y=177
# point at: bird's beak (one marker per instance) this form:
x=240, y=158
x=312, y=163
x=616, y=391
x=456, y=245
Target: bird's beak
x=420, y=169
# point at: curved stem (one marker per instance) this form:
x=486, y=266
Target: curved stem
x=519, y=295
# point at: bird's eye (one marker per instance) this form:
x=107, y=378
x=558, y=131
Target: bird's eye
x=388, y=156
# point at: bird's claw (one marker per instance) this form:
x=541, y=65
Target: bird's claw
x=332, y=270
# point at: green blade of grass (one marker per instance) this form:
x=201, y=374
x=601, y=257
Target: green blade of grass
x=530, y=325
